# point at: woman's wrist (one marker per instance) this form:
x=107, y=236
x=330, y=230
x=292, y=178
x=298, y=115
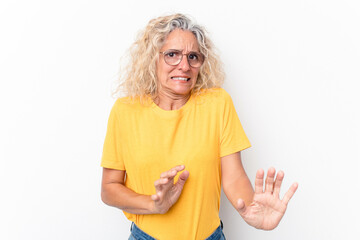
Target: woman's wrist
x=151, y=206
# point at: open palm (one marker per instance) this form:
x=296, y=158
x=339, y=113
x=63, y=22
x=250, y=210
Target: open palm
x=266, y=209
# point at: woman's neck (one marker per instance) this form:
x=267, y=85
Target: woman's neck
x=170, y=101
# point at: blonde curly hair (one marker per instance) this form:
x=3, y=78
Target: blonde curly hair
x=138, y=77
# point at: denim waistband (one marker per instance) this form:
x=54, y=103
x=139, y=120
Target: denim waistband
x=138, y=234
x=216, y=235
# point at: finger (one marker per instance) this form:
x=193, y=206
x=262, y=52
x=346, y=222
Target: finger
x=172, y=172
x=259, y=181
x=155, y=197
x=168, y=174
x=269, y=182
x=158, y=184
x=278, y=182
x=288, y=195
x=182, y=178
x=240, y=206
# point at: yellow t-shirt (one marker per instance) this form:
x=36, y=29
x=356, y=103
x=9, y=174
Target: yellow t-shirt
x=146, y=140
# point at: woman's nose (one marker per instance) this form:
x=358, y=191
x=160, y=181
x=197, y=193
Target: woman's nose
x=184, y=64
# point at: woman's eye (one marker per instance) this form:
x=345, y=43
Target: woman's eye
x=193, y=56
x=171, y=54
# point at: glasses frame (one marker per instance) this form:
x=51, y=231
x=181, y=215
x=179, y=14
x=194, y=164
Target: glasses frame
x=182, y=55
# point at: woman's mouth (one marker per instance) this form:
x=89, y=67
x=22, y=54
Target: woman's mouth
x=180, y=78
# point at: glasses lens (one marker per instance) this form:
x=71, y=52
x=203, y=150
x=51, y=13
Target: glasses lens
x=195, y=59
x=172, y=57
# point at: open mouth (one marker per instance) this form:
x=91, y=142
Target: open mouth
x=181, y=78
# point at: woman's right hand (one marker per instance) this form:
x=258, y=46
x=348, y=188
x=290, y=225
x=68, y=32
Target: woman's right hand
x=167, y=193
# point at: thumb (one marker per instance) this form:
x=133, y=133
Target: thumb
x=240, y=206
x=182, y=178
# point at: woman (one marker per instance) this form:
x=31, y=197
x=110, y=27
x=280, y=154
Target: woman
x=176, y=137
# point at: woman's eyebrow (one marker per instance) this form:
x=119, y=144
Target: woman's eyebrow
x=180, y=50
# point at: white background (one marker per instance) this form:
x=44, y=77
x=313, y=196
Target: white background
x=292, y=70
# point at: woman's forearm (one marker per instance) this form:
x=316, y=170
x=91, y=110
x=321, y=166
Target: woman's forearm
x=236, y=183
x=239, y=187
x=118, y=195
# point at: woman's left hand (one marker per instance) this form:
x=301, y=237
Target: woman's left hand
x=266, y=209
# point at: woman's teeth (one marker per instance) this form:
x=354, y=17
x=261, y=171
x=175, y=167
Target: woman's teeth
x=180, y=78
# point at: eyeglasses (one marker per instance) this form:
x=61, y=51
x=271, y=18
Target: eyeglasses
x=173, y=57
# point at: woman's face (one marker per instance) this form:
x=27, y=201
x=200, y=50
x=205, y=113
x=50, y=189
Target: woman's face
x=179, y=80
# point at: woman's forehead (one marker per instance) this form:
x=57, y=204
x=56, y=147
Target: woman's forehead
x=181, y=40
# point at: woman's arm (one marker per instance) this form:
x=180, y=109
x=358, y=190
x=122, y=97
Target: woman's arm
x=263, y=208
x=236, y=183
x=116, y=194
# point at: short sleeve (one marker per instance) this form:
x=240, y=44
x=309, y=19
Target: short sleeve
x=112, y=156
x=232, y=135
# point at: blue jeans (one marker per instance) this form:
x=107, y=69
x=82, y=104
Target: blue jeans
x=138, y=234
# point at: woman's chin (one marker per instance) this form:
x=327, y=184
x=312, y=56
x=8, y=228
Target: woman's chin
x=183, y=92
x=177, y=90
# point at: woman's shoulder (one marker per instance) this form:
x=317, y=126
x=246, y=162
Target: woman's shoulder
x=216, y=94
x=128, y=104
